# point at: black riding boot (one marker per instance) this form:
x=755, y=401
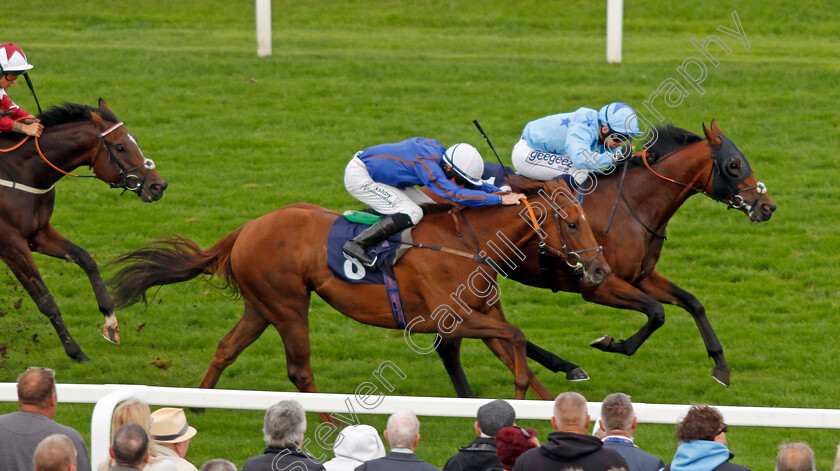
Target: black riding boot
x=373, y=235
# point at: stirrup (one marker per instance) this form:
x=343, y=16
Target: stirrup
x=355, y=250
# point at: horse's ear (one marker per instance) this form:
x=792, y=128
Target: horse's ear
x=715, y=129
x=711, y=135
x=103, y=105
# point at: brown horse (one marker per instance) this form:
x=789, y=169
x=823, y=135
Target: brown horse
x=628, y=212
x=276, y=261
x=74, y=135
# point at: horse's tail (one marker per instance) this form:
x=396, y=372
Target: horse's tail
x=168, y=261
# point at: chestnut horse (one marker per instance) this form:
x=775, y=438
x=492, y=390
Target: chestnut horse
x=74, y=135
x=628, y=211
x=276, y=261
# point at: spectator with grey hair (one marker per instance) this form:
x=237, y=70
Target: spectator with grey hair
x=403, y=434
x=22, y=431
x=795, y=457
x=570, y=447
x=55, y=453
x=618, y=422
x=218, y=464
x=130, y=448
x=703, y=445
x=283, y=430
x=480, y=454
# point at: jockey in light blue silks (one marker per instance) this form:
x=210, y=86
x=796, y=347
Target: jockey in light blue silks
x=384, y=177
x=576, y=143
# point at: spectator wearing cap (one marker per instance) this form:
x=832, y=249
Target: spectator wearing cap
x=355, y=445
x=480, y=454
x=284, y=428
x=171, y=431
x=618, y=422
x=22, y=431
x=511, y=442
x=570, y=447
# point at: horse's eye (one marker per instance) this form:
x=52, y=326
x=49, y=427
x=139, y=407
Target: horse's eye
x=572, y=225
x=120, y=148
x=734, y=167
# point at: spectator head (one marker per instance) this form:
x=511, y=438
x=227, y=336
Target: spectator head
x=218, y=464
x=617, y=416
x=355, y=445
x=285, y=424
x=512, y=442
x=403, y=430
x=494, y=415
x=132, y=410
x=55, y=453
x=36, y=391
x=795, y=457
x=570, y=413
x=130, y=446
x=702, y=422
x=170, y=429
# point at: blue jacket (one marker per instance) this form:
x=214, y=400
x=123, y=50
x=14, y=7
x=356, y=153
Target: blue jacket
x=416, y=161
x=703, y=455
x=572, y=134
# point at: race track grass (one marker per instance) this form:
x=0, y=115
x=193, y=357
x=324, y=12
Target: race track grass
x=238, y=136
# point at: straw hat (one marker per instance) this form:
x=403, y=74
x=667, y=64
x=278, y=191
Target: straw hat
x=169, y=425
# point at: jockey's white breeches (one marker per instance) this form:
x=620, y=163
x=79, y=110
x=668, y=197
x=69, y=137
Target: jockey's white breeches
x=384, y=198
x=544, y=166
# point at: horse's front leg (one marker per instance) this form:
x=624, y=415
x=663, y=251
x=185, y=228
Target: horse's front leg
x=664, y=290
x=616, y=292
x=15, y=253
x=51, y=242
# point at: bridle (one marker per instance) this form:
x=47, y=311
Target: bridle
x=573, y=258
x=724, y=185
x=128, y=182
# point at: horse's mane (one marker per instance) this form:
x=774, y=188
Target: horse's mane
x=72, y=113
x=669, y=138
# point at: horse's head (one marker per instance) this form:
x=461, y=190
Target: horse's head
x=121, y=163
x=733, y=181
x=577, y=244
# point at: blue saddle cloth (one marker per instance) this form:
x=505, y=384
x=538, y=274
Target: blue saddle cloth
x=349, y=269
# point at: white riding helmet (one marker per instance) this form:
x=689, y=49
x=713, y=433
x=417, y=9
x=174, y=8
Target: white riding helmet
x=466, y=161
x=13, y=59
x=620, y=117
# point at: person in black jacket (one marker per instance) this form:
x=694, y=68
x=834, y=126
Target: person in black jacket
x=480, y=454
x=403, y=434
x=570, y=447
x=702, y=436
x=283, y=429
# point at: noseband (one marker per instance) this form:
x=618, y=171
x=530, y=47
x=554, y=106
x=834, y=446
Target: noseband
x=129, y=182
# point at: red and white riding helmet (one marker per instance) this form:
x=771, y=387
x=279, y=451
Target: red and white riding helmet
x=13, y=59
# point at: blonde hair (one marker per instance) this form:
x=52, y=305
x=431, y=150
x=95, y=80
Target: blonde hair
x=133, y=411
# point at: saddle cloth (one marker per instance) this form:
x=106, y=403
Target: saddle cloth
x=349, y=269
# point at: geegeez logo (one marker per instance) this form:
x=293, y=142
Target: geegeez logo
x=554, y=160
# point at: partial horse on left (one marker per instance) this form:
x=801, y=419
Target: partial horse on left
x=74, y=135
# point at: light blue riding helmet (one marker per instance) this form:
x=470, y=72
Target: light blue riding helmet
x=621, y=118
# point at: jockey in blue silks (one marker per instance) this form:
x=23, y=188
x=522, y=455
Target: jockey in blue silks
x=575, y=143
x=384, y=177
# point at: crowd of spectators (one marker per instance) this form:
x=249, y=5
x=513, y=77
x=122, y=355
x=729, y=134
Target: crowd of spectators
x=143, y=440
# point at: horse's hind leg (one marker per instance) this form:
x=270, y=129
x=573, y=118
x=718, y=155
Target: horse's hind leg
x=248, y=329
x=51, y=242
x=664, y=290
x=449, y=350
x=554, y=363
x=19, y=259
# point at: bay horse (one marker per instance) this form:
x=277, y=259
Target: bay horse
x=628, y=211
x=74, y=135
x=276, y=261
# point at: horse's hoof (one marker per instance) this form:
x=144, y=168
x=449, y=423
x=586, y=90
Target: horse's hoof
x=602, y=343
x=81, y=357
x=577, y=374
x=721, y=376
x=111, y=330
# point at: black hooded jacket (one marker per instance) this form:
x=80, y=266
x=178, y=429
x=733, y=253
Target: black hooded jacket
x=566, y=450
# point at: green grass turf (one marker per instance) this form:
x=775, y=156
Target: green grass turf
x=238, y=136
